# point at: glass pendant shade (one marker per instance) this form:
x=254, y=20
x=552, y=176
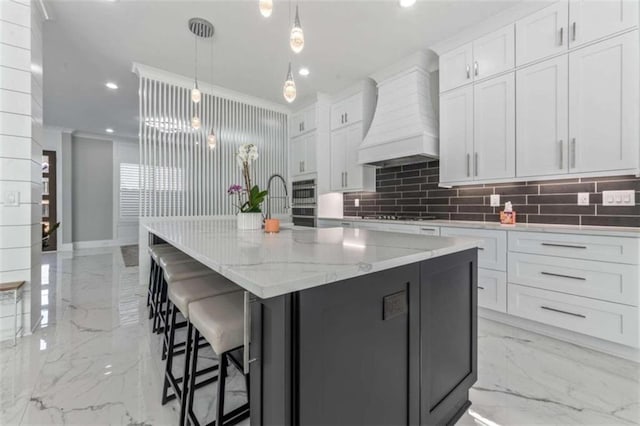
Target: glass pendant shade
x=296, y=39
x=289, y=89
x=266, y=7
x=407, y=3
x=196, y=95
x=212, y=140
x=195, y=122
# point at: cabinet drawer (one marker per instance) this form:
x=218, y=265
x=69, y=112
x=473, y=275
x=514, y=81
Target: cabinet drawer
x=605, y=320
x=589, y=247
x=430, y=230
x=612, y=282
x=492, y=289
x=492, y=254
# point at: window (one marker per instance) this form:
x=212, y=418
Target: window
x=161, y=182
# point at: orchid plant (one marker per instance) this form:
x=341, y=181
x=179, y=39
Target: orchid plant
x=250, y=197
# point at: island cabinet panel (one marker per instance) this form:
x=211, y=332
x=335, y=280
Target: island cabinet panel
x=448, y=336
x=394, y=347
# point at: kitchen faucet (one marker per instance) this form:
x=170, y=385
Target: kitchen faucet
x=269, y=197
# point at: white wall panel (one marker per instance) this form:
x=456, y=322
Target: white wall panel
x=14, y=79
x=15, y=147
x=15, y=35
x=15, y=12
x=15, y=57
x=15, y=102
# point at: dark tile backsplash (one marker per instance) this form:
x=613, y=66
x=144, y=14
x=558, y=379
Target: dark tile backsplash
x=412, y=190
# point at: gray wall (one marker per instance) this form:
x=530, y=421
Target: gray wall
x=91, y=189
x=65, y=196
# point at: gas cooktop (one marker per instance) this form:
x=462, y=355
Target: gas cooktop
x=392, y=217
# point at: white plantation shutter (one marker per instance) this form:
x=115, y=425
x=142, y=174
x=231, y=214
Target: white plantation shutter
x=165, y=181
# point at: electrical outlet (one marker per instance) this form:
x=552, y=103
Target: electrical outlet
x=495, y=200
x=618, y=198
x=12, y=198
x=583, y=198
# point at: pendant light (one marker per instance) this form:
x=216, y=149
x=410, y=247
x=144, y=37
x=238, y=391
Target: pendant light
x=212, y=140
x=289, y=89
x=201, y=28
x=266, y=7
x=196, y=95
x=296, y=39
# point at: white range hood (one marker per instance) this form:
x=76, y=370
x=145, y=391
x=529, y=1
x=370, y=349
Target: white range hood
x=404, y=127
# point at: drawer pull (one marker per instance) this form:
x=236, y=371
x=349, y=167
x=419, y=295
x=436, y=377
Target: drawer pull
x=345, y=224
x=563, y=276
x=480, y=288
x=562, y=312
x=480, y=248
x=563, y=245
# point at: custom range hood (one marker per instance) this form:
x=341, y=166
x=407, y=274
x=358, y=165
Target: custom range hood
x=404, y=129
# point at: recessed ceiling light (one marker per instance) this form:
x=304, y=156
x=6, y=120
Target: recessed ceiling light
x=304, y=71
x=109, y=130
x=407, y=3
x=111, y=85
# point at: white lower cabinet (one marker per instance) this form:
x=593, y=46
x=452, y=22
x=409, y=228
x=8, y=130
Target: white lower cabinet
x=492, y=289
x=492, y=253
x=605, y=320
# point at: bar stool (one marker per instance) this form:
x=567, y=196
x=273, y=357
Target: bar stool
x=180, y=295
x=15, y=288
x=220, y=320
x=154, y=251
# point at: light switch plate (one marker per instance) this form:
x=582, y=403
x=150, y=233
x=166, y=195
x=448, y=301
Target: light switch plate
x=583, y=198
x=495, y=200
x=12, y=198
x=619, y=198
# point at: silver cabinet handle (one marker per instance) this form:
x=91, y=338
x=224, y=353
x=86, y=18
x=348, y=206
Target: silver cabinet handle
x=342, y=181
x=303, y=166
x=563, y=245
x=346, y=117
x=562, y=312
x=573, y=37
x=345, y=224
x=468, y=72
x=561, y=154
x=480, y=248
x=468, y=165
x=480, y=288
x=475, y=165
x=561, y=36
x=476, y=68
x=428, y=229
x=573, y=153
x=551, y=274
x=247, y=334
x=346, y=179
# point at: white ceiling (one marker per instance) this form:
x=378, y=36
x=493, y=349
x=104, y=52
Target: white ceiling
x=91, y=42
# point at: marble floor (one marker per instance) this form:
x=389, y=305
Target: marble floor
x=94, y=362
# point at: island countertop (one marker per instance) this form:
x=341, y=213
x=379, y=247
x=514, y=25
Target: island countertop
x=270, y=265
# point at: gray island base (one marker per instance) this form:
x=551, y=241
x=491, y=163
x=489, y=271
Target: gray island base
x=346, y=326
x=394, y=347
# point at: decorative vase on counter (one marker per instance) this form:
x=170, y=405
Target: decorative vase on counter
x=249, y=221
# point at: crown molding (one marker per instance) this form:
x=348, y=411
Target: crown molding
x=152, y=73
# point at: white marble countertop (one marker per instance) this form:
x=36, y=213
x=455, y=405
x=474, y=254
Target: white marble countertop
x=612, y=231
x=295, y=259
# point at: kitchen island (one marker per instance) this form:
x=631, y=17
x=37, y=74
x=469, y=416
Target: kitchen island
x=347, y=326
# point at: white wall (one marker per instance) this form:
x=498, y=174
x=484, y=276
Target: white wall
x=20, y=157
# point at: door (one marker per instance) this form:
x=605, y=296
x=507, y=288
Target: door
x=297, y=155
x=593, y=19
x=455, y=67
x=543, y=33
x=456, y=135
x=339, y=141
x=494, y=53
x=603, y=105
x=542, y=118
x=353, y=170
x=494, y=128
x=49, y=200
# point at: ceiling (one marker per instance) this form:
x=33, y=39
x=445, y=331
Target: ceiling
x=88, y=43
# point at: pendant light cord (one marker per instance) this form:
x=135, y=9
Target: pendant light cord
x=195, y=38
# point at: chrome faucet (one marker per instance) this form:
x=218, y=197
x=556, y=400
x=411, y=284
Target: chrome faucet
x=269, y=197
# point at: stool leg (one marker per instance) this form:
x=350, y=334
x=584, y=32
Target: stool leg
x=15, y=316
x=150, y=287
x=186, y=378
x=169, y=356
x=222, y=378
x=191, y=418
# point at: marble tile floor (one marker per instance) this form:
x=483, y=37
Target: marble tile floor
x=94, y=361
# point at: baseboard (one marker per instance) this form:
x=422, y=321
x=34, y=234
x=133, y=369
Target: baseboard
x=610, y=348
x=66, y=247
x=78, y=245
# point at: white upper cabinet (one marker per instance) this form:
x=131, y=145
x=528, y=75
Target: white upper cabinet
x=455, y=67
x=603, y=105
x=303, y=155
x=302, y=122
x=542, y=118
x=346, y=173
x=494, y=136
x=590, y=20
x=494, y=53
x=456, y=135
x=543, y=33
x=346, y=112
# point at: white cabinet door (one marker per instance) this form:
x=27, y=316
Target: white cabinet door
x=541, y=118
x=295, y=124
x=455, y=67
x=297, y=156
x=310, y=154
x=494, y=53
x=593, y=19
x=492, y=253
x=309, y=122
x=492, y=289
x=603, y=105
x=339, y=141
x=337, y=115
x=353, y=109
x=543, y=33
x=494, y=128
x=456, y=135
x=353, y=170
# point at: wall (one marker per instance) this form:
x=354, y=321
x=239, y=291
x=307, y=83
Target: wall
x=92, y=189
x=412, y=190
x=20, y=157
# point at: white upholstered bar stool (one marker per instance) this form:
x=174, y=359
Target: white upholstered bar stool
x=155, y=274
x=220, y=320
x=180, y=294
